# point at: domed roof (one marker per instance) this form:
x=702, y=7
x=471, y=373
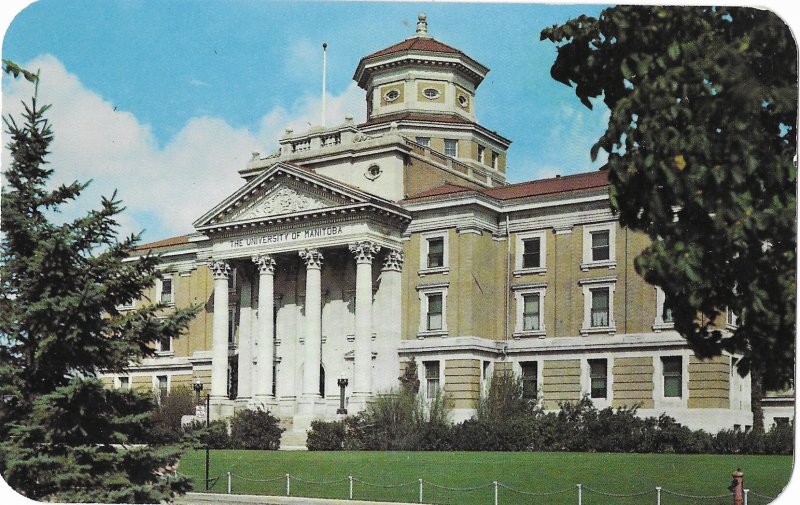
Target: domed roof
x=419, y=47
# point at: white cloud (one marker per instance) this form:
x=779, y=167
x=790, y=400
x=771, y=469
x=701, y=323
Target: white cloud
x=164, y=188
x=198, y=83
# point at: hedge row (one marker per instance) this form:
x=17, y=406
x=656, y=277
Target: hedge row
x=249, y=429
x=576, y=426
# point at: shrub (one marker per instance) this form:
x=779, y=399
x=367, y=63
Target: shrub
x=215, y=436
x=326, y=436
x=168, y=412
x=255, y=429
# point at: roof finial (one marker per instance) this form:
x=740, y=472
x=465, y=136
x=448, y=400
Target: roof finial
x=422, y=25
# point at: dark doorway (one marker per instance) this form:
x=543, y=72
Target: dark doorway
x=322, y=381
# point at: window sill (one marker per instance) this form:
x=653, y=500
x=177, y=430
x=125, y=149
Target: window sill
x=610, y=264
x=165, y=354
x=529, y=333
x=432, y=333
x=431, y=271
x=663, y=326
x=611, y=330
x=530, y=271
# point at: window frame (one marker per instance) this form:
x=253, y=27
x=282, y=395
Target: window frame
x=425, y=238
x=520, y=292
x=423, y=141
x=232, y=326
x=454, y=145
x=427, y=376
x=519, y=253
x=672, y=375
x=590, y=285
x=659, y=323
x=157, y=386
x=425, y=292
x=530, y=378
x=119, y=384
x=590, y=385
x=481, y=154
x=588, y=257
x=495, y=160
x=662, y=401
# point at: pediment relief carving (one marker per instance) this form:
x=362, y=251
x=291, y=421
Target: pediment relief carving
x=281, y=199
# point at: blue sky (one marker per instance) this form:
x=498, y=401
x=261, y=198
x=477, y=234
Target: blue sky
x=165, y=101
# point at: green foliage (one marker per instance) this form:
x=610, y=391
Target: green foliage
x=215, y=436
x=393, y=421
x=703, y=128
x=62, y=436
x=326, y=436
x=503, y=399
x=167, y=415
x=255, y=429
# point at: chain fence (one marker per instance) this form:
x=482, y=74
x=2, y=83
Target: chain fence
x=491, y=493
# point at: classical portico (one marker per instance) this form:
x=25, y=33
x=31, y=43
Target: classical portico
x=293, y=259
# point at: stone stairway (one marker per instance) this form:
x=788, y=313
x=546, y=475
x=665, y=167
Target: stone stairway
x=291, y=439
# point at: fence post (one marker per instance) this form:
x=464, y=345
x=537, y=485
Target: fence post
x=745, y=496
x=658, y=495
x=580, y=495
x=350, y=477
x=420, y=490
x=229, y=482
x=495, y=492
x=288, y=485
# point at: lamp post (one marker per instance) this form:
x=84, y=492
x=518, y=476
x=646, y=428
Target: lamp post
x=197, y=386
x=342, y=382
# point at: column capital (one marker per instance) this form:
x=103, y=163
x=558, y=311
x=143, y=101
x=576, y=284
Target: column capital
x=265, y=263
x=220, y=269
x=364, y=251
x=312, y=257
x=393, y=261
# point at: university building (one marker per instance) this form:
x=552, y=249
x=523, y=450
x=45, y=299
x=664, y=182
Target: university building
x=352, y=249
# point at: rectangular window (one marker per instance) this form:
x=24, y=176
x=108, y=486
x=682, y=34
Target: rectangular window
x=451, y=147
x=481, y=154
x=166, y=290
x=598, y=376
x=431, y=378
x=672, y=370
x=165, y=344
x=425, y=141
x=731, y=317
x=601, y=250
x=435, y=311
x=531, y=313
x=232, y=285
x=162, y=388
x=124, y=383
x=530, y=384
x=495, y=160
x=435, y=252
x=599, y=316
x=666, y=315
x=531, y=253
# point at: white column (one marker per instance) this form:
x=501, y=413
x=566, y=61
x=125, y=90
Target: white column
x=245, y=344
x=265, y=332
x=219, y=343
x=313, y=322
x=390, y=320
x=362, y=354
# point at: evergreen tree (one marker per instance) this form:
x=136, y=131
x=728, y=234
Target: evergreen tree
x=701, y=140
x=64, y=437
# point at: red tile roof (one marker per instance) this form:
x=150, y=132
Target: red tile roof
x=565, y=184
x=416, y=44
x=167, y=242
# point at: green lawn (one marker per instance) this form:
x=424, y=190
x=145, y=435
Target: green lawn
x=325, y=474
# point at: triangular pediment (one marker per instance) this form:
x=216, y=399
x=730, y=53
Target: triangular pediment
x=282, y=190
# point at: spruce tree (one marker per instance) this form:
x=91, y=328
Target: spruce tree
x=63, y=436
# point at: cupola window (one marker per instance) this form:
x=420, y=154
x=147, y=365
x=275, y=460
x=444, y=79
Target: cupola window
x=463, y=100
x=391, y=95
x=431, y=93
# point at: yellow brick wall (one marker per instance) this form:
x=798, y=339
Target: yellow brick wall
x=633, y=382
x=142, y=383
x=462, y=382
x=423, y=85
x=561, y=382
x=395, y=86
x=709, y=383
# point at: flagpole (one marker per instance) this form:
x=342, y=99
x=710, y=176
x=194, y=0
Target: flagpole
x=324, y=76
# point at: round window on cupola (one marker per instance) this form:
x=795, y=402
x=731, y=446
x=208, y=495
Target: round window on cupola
x=431, y=93
x=463, y=100
x=391, y=95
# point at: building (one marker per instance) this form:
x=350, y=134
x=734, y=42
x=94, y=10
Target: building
x=355, y=248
